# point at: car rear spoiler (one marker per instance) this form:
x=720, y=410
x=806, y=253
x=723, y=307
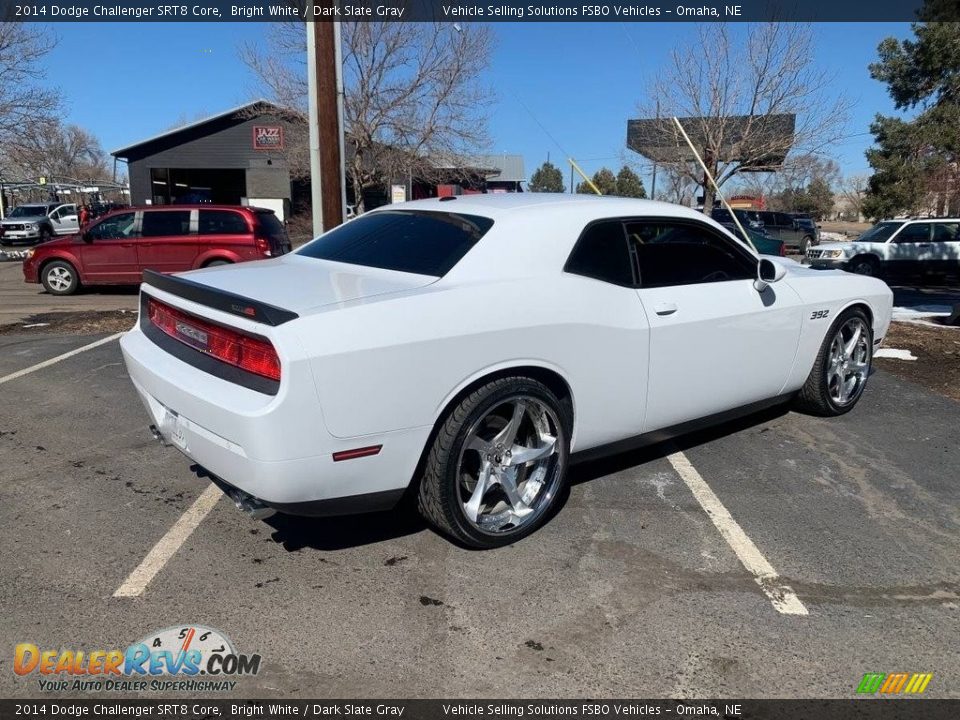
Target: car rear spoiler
x=219, y=299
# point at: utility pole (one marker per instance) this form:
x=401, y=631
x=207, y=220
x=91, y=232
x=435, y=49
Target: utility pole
x=325, y=110
x=653, y=184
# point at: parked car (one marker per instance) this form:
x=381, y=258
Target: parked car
x=761, y=240
x=750, y=219
x=792, y=231
x=809, y=225
x=39, y=222
x=117, y=248
x=468, y=345
x=897, y=248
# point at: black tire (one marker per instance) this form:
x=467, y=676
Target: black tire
x=438, y=497
x=814, y=397
x=60, y=278
x=806, y=242
x=865, y=265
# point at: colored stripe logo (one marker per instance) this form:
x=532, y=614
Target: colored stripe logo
x=894, y=683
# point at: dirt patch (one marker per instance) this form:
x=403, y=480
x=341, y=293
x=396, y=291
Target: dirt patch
x=74, y=323
x=937, y=366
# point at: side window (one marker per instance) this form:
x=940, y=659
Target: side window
x=784, y=220
x=116, y=227
x=914, y=233
x=222, y=222
x=163, y=223
x=602, y=253
x=55, y=215
x=685, y=253
x=768, y=218
x=946, y=232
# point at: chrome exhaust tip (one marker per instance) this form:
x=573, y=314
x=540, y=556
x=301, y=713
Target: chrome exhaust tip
x=158, y=436
x=250, y=505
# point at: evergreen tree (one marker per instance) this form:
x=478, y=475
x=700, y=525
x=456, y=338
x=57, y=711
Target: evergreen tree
x=547, y=178
x=629, y=184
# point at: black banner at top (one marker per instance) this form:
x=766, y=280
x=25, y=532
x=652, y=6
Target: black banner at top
x=464, y=11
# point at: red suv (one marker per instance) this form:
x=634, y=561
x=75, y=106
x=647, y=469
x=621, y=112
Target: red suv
x=117, y=248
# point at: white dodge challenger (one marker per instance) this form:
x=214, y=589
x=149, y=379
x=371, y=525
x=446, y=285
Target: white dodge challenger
x=462, y=348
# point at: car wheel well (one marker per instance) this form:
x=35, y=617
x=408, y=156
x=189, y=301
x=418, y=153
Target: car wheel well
x=869, y=257
x=46, y=263
x=553, y=380
x=865, y=308
x=217, y=261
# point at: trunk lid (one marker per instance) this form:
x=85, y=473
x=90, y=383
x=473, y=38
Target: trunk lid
x=302, y=284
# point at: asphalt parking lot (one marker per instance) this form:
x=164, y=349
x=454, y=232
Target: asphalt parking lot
x=19, y=300
x=632, y=590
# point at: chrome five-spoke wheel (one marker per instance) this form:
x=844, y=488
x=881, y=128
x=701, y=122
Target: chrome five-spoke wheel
x=506, y=468
x=842, y=367
x=849, y=361
x=497, y=464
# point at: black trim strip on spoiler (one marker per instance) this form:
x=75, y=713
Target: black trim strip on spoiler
x=219, y=299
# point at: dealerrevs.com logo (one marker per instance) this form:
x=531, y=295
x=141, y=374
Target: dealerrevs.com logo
x=188, y=658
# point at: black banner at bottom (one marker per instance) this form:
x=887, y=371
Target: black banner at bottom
x=873, y=708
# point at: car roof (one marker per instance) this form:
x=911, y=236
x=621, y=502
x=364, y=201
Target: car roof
x=195, y=206
x=494, y=205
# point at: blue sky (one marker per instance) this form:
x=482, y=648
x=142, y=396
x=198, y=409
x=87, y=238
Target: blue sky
x=582, y=81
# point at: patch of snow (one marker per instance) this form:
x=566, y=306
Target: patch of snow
x=894, y=354
x=36, y=325
x=832, y=236
x=917, y=312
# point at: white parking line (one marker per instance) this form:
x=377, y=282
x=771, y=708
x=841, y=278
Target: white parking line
x=784, y=599
x=58, y=358
x=168, y=545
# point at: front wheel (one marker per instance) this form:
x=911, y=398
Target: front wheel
x=865, y=265
x=498, y=463
x=805, y=243
x=840, y=373
x=60, y=278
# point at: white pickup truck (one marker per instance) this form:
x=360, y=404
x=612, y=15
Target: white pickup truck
x=39, y=222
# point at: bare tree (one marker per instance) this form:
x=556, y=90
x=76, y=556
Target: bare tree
x=675, y=186
x=717, y=80
x=782, y=187
x=412, y=93
x=25, y=101
x=59, y=151
x=853, y=191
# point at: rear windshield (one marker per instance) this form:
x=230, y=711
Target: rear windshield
x=413, y=241
x=271, y=226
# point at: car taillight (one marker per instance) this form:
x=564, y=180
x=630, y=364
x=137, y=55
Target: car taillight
x=234, y=348
x=263, y=245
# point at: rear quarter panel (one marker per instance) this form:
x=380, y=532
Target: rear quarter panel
x=396, y=363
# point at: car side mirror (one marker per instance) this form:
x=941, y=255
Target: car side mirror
x=768, y=272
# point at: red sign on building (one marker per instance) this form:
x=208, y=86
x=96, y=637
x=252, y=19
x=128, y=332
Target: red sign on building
x=267, y=137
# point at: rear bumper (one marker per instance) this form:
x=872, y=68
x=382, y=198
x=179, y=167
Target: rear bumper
x=274, y=448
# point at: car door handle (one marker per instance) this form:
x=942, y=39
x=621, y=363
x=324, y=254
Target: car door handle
x=667, y=308
x=924, y=244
